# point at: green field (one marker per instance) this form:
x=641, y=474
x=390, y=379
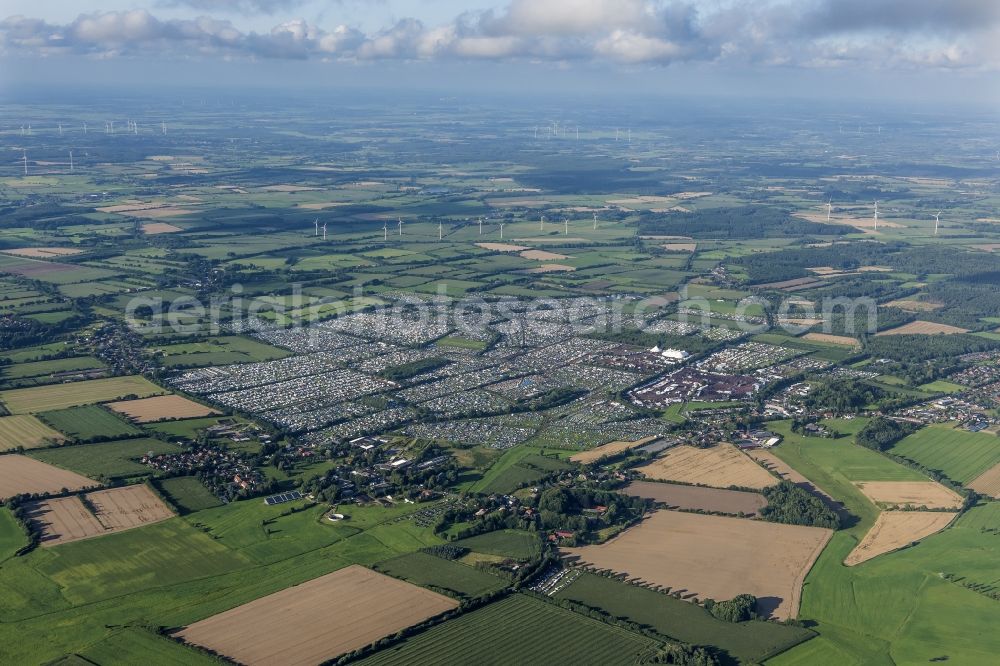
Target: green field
x=748, y=642
x=959, y=454
x=895, y=608
x=89, y=422
x=518, y=630
x=188, y=494
x=441, y=574
x=27, y=431
x=221, y=350
x=517, y=544
x=11, y=535
x=107, y=459
x=520, y=465
x=135, y=645
x=44, y=368
x=61, y=396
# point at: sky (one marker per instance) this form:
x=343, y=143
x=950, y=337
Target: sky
x=864, y=49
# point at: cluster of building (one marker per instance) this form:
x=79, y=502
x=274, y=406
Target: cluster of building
x=690, y=383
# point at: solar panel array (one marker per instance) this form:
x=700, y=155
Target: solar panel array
x=281, y=498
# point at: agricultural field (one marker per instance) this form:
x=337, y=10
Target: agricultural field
x=987, y=483
x=187, y=493
x=719, y=557
x=609, y=449
x=748, y=642
x=912, y=494
x=445, y=576
x=897, y=529
x=23, y=475
x=720, y=466
x=542, y=630
x=98, y=513
x=60, y=396
x=24, y=431
x=117, y=459
x=697, y=498
x=161, y=408
x=271, y=628
x=958, y=454
x=515, y=544
x=88, y=423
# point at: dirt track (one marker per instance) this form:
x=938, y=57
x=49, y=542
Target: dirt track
x=309, y=623
x=715, y=556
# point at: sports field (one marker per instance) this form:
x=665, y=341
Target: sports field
x=961, y=455
x=60, y=396
x=161, y=408
x=720, y=466
x=714, y=556
x=23, y=475
x=26, y=431
x=517, y=630
x=293, y=627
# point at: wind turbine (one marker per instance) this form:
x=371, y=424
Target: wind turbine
x=22, y=130
x=440, y=231
x=400, y=220
x=112, y=127
x=829, y=209
x=60, y=129
x=595, y=221
x=565, y=225
x=85, y=127
x=876, y=215
x=71, y=160
x=316, y=224
x=501, y=231
x=617, y=132
x=630, y=136
x=25, y=157
x=937, y=221
x=480, y=226
x=324, y=231
x=541, y=223
x=536, y=131
x=135, y=127
x=163, y=127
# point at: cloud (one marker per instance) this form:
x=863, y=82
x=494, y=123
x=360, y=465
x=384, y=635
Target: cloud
x=809, y=33
x=269, y=7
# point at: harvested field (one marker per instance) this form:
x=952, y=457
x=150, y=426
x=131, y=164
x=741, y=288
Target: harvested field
x=914, y=306
x=502, y=247
x=680, y=247
x=551, y=268
x=896, y=529
x=792, y=285
x=715, y=556
x=291, y=626
x=161, y=408
x=26, y=431
x=21, y=474
x=832, y=339
x=927, y=494
x=987, y=483
x=720, y=466
x=64, y=519
x=609, y=449
x=43, y=252
x=923, y=328
x=543, y=255
x=698, y=498
x=127, y=507
x=321, y=205
x=153, y=228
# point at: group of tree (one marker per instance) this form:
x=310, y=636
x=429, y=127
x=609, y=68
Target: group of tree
x=881, y=433
x=791, y=504
x=740, y=608
x=735, y=222
x=844, y=396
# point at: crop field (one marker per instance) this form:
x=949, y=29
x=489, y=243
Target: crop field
x=277, y=628
x=89, y=422
x=718, y=557
x=519, y=466
x=897, y=529
x=609, y=449
x=924, y=328
x=21, y=474
x=45, y=368
x=720, y=466
x=698, y=498
x=515, y=544
x=442, y=575
x=959, y=454
x=776, y=465
x=188, y=493
x=220, y=350
x=987, y=483
x=161, y=408
x=61, y=396
x=915, y=494
x=64, y=519
x=26, y=431
x=106, y=511
x=517, y=630
x=749, y=642
x=107, y=459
